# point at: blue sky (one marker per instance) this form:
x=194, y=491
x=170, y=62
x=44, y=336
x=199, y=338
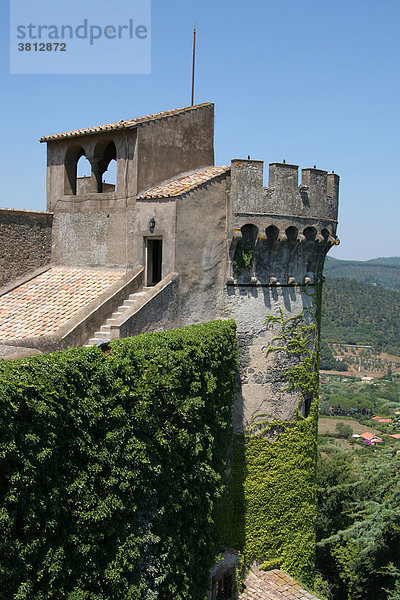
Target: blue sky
x=307, y=81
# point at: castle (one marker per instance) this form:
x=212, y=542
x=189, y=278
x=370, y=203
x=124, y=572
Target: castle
x=176, y=241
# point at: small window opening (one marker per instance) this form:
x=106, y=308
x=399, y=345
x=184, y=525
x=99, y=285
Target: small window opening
x=307, y=407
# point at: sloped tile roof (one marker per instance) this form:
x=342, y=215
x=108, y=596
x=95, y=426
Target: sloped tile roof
x=45, y=303
x=184, y=183
x=272, y=585
x=368, y=436
x=127, y=124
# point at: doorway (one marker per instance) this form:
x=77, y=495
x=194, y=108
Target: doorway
x=153, y=261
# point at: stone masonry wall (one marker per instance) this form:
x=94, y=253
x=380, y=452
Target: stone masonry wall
x=25, y=242
x=261, y=391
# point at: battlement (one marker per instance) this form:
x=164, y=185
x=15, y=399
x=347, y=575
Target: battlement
x=316, y=197
x=286, y=228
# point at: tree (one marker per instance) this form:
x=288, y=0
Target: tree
x=361, y=559
x=343, y=430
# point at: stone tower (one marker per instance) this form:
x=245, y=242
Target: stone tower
x=277, y=239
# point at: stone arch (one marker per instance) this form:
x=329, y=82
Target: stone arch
x=83, y=175
x=72, y=156
x=291, y=234
x=310, y=233
x=272, y=233
x=104, y=153
x=292, y=253
x=325, y=234
x=249, y=234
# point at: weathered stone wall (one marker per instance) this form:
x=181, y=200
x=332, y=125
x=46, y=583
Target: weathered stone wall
x=101, y=235
x=159, y=314
x=164, y=215
x=173, y=145
x=259, y=393
x=316, y=198
x=201, y=251
x=25, y=242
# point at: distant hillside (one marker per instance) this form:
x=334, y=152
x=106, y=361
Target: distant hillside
x=358, y=312
x=385, y=260
x=384, y=272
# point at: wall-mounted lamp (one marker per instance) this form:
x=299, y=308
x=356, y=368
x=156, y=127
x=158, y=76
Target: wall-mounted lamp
x=152, y=224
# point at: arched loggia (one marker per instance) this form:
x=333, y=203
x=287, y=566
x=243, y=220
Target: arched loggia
x=104, y=160
x=72, y=156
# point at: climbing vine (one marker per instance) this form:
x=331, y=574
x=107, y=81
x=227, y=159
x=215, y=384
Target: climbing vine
x=243, y=257
x=112, y=465
x=273, y=484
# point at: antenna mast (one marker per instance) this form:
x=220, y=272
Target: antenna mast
x=193, y=63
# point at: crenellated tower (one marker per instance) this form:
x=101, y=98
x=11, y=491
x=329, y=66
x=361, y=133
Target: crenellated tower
x=286, y=227
x=277, y=240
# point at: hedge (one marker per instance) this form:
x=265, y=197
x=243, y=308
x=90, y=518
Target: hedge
x=112, y=466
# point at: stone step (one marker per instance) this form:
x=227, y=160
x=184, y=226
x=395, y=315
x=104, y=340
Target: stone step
x=128, y=303
x=102, y=334
x=104, y=331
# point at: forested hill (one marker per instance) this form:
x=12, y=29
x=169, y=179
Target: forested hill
x=384, y=272
x=359, y=312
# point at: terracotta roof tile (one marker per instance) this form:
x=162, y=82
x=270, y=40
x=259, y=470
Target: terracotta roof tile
x=272, y=585
x=43, y=304
x=184, y=183
x=123, y=124
x=367, y=435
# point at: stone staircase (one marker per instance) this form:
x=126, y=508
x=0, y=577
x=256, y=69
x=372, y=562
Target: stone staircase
x=104, y=333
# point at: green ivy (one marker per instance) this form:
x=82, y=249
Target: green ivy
x=112, y=466
x=243, y=257
x=271, y=497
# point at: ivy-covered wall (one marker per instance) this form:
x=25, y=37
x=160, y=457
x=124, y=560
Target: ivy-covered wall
x=112, y=465
x=271, y=495
x=273, y=498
